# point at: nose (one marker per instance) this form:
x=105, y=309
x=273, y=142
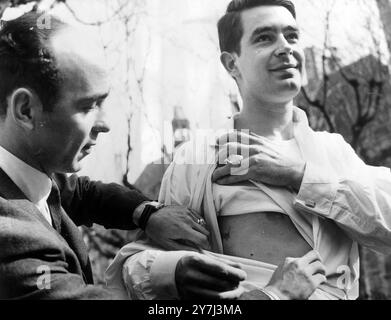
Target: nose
x=284, y=48
x=100, y=125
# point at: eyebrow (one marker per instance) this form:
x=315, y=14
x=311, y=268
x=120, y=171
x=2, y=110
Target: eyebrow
x=98, y=97
x=260, y=30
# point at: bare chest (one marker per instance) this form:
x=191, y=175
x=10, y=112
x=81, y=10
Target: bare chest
x=266, y=237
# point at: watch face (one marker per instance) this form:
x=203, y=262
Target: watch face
x=155, y=205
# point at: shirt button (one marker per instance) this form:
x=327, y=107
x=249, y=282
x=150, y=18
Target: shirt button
x=310, y=204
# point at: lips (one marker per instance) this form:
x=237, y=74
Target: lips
x=284, y=67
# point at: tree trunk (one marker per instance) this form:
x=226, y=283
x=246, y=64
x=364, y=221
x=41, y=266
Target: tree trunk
x=385, y=15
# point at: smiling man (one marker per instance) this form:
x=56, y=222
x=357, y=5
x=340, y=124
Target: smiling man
x=53, y=84
x=268, y=65
x=291, y=190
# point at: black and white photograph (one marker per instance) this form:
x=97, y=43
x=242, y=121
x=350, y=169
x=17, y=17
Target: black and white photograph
x=206, y=151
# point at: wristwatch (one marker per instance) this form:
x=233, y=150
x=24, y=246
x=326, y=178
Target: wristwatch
x=149, y=209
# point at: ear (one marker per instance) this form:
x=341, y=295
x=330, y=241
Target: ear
x=229, y=62
x=24, y=107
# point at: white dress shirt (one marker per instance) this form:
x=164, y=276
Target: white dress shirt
x=35, y=185
x=341, y=202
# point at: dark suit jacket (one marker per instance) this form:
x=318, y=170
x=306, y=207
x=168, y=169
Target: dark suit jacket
x=32, y=251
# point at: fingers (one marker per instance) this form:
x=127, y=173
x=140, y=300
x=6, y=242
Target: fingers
x=206, y=281
x=230, y=263
x=200, y=229
x=219, y=269
x=199, y=276
x=234, y=148
x=221, y=173
x=260, y=163
x=246, y=151
x=231, y=295
x=194, y=214
x=319, y=279
x=254, y=295
x=240, y=174
x=194, y=232
x=194, y=222
x=317, y=267
x=310, y=257
x=191, y=237
x=181, y=231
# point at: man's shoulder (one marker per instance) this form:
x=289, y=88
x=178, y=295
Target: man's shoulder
x=329, y=137
x=19, y=214
x=194, y=153
x=21, y=229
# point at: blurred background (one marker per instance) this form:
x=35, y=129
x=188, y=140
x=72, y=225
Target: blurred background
x=167, y=81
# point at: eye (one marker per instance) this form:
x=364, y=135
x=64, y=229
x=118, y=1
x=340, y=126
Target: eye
x=264, y=38
x=91, y=106
x=293, y=37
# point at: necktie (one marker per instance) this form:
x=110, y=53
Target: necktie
x=54, y=204
x=69, y=232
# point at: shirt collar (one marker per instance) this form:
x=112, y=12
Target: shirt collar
x=35, y=185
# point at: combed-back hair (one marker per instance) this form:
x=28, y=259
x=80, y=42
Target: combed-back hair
x=230, y=26
x=26, y=59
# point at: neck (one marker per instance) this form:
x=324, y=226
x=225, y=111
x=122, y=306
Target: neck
x=24, y=152
x=270, y=120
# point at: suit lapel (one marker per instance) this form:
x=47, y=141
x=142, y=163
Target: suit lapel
x=63, y=226
x=8, y=188
x=73, y=237
x=10, y=191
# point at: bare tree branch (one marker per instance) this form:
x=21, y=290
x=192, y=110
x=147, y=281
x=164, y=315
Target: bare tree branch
x=96, y=23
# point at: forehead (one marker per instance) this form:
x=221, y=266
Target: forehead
x=276, y=17
x=81, y=62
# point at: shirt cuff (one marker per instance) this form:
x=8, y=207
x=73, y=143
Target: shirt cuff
x=318, y=191
x=163, y=273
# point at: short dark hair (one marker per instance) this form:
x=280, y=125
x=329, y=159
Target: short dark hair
x=26, y=59
x=230, y=26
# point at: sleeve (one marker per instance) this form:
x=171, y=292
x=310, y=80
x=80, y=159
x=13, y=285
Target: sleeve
x=33, y=265
x=88, y=202
x=177, y=187
x=150, y=274
x=356, y=196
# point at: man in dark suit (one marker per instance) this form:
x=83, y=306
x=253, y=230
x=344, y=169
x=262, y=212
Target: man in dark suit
x=52, y=88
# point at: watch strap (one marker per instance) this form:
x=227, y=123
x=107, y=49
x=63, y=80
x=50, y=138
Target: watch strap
x=149, y=209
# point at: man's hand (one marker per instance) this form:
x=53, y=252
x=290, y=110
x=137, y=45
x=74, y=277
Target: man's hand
x=297, y=279
x=263, y=162
x=176, y=228
x=254, y=295
x=202, y=277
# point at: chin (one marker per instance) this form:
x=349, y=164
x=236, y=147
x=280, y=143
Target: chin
x=289, y=90
x=72, y=168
